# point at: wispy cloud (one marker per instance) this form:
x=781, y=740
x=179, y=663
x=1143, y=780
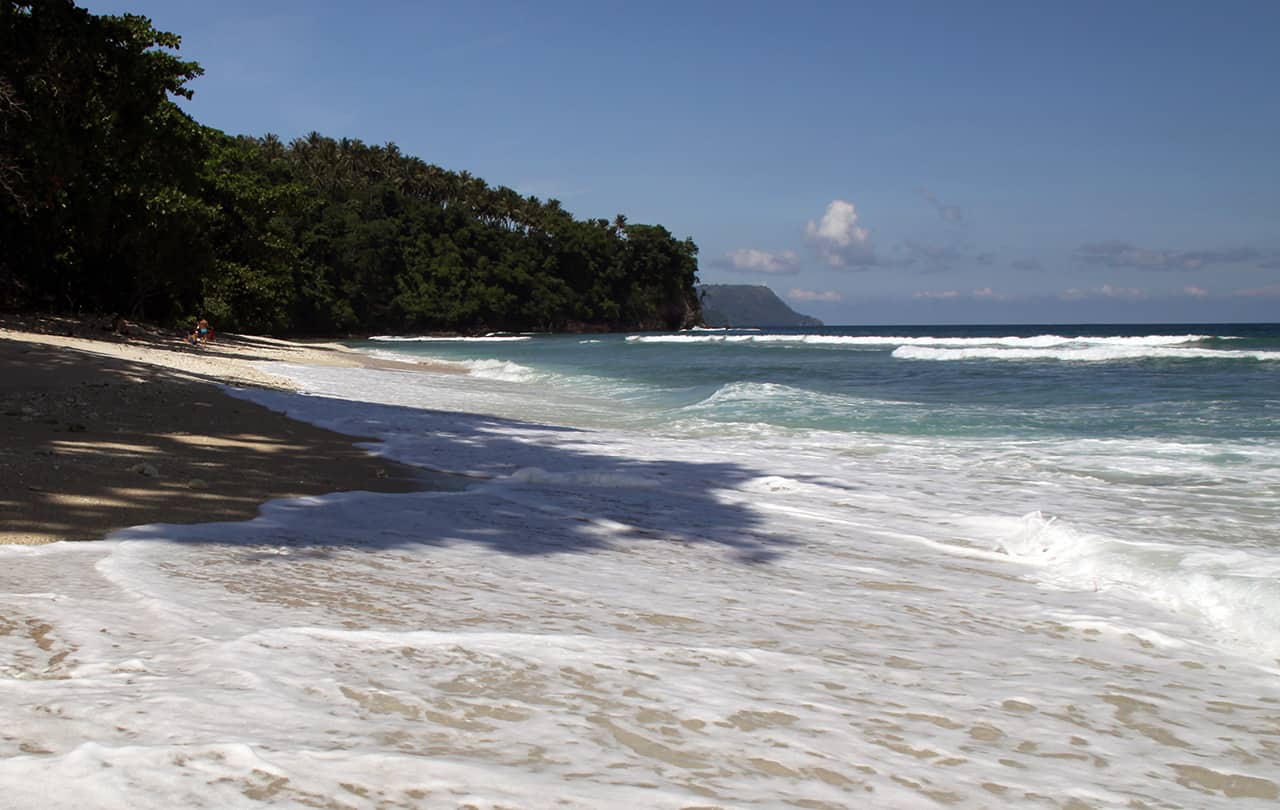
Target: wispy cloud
x=1272, y=291
x=750, y=260
x=797, y=294
x=1124, y=254
x=980, y=294
x=1195, y=292
x=1105, y=291
x=1025, y=264
x=949, y=213
x=840, y=238
x=939, y=257
x=937, y=294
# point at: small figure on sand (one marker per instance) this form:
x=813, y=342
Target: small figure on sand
x=200, y=333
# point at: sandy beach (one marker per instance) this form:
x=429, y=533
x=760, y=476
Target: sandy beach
x=636, y=600
x=101, y=430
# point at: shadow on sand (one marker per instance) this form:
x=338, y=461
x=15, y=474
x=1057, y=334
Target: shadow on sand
x=515, y=487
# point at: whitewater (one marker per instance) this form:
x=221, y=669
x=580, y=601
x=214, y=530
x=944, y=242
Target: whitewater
x=904, y=568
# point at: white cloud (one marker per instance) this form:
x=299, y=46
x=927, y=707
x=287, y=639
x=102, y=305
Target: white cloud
x=813, y=295
x=1195, y=292
x=750, y=260
x=1105, y=291
x=839, y=238
x=980, y=294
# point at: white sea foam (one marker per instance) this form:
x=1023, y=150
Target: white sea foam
x=1082, y=352
x=451, y=339
x=748, y=402
x=499, y=370
x=609, y=618
x=505, y=370
x=1014, y=342
x=1234, y=591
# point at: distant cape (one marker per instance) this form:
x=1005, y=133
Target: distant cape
x=748, y=305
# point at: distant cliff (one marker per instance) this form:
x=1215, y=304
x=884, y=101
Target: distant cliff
x=744, y=305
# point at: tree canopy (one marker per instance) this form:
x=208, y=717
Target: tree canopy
x=113, y=199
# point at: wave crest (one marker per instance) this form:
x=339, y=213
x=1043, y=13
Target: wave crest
x=1079, y=351
x=1233, y=591
x=430, y=339
x=1009, y=341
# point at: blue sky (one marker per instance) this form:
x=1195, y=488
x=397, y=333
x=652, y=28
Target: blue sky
x=897, y=162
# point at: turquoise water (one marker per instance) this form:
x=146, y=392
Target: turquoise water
x=1025, y=567
x=904, y=567
x=1202, y=382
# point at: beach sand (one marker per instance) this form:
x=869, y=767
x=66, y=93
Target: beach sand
x=100, y=431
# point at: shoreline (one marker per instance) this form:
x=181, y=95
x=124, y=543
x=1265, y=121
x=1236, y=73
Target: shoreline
x=102, y=431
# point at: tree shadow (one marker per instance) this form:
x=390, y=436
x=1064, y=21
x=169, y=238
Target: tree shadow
x=512, y=486
x=79, y=432
x=89, y=444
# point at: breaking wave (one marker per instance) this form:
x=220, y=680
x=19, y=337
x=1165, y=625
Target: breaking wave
x=1012, y=342
x=1233, y=590
x=1093, y=350
x=430, y=339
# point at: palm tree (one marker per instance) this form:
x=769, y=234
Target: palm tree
x=271, y=146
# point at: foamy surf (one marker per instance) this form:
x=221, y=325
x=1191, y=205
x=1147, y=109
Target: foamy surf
x=692, y=597
x=1033, y=341
x=1080, y=352
x=1235, y=592
x=451, y=339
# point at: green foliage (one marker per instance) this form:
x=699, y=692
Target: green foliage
x=104, y=161
x=112, y=198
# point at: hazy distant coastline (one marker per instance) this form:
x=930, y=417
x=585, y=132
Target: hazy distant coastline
x=748, y=305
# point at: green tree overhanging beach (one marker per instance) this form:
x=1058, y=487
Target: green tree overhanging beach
x=112, y=199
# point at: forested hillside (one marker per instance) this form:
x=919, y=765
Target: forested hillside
x=112, y=199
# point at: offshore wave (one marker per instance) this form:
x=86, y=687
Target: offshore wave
x=503, y=370
x=813, y=340
x=1011, y=341
x=754, y=394
x=429, y=339
x=1090, y=351
x=782, y=405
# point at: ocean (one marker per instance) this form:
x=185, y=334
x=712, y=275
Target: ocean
x=890, y=567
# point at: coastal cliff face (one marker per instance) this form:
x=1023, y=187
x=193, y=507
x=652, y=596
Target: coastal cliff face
x=748, y=305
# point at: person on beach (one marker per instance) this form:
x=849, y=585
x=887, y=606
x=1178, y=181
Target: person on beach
x=203, y=332
x=193, y=336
